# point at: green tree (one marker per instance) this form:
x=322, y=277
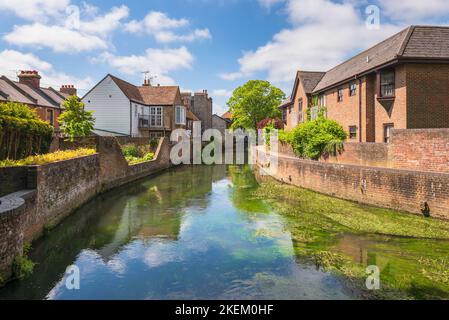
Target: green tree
x=75, y=121
x=316, y=138
x=255, y=101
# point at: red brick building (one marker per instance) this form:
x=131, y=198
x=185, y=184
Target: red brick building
x=47, y=101
x=402, y=83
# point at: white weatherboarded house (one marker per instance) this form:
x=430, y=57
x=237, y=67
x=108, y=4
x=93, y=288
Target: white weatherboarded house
x=123, y=109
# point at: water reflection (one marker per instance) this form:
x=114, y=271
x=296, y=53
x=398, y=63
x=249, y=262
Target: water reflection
x=191, y=233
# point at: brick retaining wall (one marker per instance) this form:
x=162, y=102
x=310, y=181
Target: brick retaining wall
x=397, y=189
x=60, y=188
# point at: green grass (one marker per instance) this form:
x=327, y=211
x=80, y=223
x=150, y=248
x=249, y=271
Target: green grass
x=48, y=158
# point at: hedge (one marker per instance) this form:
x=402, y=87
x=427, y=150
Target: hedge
x=22, y=137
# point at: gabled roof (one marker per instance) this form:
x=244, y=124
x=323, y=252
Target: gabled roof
x=310, y=79
x=414, y=42
x=190, y=115
x=22, y=93
x=147, y=95
x=159, y=95
x=130, y=90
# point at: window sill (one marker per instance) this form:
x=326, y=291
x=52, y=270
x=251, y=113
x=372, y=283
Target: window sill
x=391, y=98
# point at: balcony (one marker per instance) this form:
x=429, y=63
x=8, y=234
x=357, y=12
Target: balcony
x=152, y=122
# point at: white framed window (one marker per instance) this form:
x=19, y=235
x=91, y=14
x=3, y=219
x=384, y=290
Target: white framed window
x=156, y=117
x=180, y=115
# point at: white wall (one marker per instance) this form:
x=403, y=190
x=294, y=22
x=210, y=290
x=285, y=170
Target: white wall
x=111, y=107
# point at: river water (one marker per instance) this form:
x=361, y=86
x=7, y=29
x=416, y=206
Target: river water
x=190, y=233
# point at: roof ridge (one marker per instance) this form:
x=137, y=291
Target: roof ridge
x=41, y=92
x=22, y=92
x=406, y=41
x=366, y=50
x=56, y=92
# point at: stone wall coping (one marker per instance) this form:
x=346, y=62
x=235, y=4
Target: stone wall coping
x=366, y=168
x=14, y=201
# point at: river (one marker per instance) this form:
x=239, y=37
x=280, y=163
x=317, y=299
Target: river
x=198, y=233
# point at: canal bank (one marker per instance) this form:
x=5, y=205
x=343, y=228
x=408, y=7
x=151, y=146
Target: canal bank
x=45, y=195
x=218, y=232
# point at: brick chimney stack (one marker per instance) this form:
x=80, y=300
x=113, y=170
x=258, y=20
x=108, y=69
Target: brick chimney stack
x=30, y=78
x=68, y=89
x=147, y=83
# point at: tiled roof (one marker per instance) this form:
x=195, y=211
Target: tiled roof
x=227, y=115
x=427, y=42
x=148, y=95
x=310, y=79
x=159, y=95
x=418, y=42
x=190, y=115
x=130, y=90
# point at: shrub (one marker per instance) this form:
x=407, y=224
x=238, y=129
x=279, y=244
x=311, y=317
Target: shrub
x=316, y=138
x=22, y=133
x=48, y=158
x=131, y=151
x=23, y=266
x=154, y=143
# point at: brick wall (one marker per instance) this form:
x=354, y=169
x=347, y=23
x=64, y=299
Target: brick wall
x=389, y=188
x=12, y=179
x=420, y=149
x=61, y=187
x=427, y=96
x=365, y=154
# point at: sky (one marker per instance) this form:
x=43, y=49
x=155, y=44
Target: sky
x=216, y=45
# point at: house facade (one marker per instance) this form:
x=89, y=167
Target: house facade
x=47, y=102
x=400, y=83
x=123, y=109
x=220, y=124
x=200, y=104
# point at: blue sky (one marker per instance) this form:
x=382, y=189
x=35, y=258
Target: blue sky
x=198, y=44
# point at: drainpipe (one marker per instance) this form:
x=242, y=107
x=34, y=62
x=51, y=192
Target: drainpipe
x=360, y=109
x=130, y=119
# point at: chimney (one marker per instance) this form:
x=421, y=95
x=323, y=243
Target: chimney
x=30, y=78
x=68, y=89
x=146, y=83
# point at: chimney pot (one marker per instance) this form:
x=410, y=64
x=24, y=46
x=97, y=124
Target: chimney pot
x=68, y=89
x=30, y=78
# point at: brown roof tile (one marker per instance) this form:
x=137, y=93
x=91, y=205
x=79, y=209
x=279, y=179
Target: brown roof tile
x=427, y=42
x=130, y=90
x=381, y=53
x=159, y=95
x=310, y=79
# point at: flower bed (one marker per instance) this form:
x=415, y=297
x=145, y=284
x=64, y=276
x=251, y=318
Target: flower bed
x=48, y=158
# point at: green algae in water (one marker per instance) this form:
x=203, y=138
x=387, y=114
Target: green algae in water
x=206, y=232
x=412, y=252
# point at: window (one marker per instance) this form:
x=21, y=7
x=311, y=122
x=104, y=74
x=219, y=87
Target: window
x=340, y=95
x=314, y=113
x=387, y=84
x=322, y=100
x=387, y=132
x=353, y=89
x=156, y=135
x=284, y=114
x=300, y=108
x=156, y=117
x=50, y=117
x=353, y=132
x=180, y=115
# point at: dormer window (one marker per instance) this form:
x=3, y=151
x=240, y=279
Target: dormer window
x=387, y=84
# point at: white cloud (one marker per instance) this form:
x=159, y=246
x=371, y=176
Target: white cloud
x=159, y=61
x=323, y=33
x=415, y=10
x=35, y=10
x=105, y=24
x=70, y=35
x=161, y=27
x=222, y=93
x=57, y=38
x=26, y=61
